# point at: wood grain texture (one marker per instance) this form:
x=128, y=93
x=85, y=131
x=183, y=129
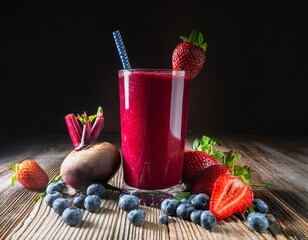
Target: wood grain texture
x=279, y=160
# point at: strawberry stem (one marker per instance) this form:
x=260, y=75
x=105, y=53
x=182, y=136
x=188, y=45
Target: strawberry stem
x=196, y=39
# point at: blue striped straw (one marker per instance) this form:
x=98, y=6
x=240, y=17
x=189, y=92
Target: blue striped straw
x=121, y=49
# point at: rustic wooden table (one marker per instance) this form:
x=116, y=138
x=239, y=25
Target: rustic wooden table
x=281, y=160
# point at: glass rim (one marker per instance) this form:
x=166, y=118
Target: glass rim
x=159, y=70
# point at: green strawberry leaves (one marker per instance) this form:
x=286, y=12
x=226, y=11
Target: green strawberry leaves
x=15, y=170
x=243, y=171
x=207, y=144
x=230, y=159
x=185, y=194
x=196, y=39
x=182, y=195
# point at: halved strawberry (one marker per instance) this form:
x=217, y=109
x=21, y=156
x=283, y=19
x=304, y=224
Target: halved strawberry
x=190, y=55
x=230, y=195
x=206, y=179
x=194, y=162
x=30, y=174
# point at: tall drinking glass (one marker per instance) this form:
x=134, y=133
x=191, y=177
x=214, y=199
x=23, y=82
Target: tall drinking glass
x=153, y=110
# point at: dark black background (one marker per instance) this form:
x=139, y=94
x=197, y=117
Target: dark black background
x=59, y=58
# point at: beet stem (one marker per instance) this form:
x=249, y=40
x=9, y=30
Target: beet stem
x=98, y=125
x=86, y=136
x=74, y=129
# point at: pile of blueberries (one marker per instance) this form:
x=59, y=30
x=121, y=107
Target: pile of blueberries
x=71, y=213
x=194, y=209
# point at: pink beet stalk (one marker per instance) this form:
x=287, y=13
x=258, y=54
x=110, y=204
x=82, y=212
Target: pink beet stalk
x=98, y=125
x=74, y=129
x=89, y=133
x=86, y=136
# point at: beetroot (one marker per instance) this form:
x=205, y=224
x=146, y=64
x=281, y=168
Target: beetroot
x=90, y=161
x=96, y=163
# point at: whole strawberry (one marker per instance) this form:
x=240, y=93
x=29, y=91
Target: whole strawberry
x=206, y=179
x=190, y=55
x=30, y=175
x=194, y=162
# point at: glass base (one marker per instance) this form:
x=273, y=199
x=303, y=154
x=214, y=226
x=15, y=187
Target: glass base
x=153, y=198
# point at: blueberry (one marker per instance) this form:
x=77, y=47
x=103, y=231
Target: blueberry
x=208, y=220
x=55, y=186
x=72, y=216
x=169, y=205
x=92, y=203
x=257, y=221
x=60, y=204
x=50, y=197
x=191, y=197
x=184, y=210
x=163, y=218
x=128, y=202
x=62, y=182
x=271, y=219
x=79, y=201
x=201, y=201
x=260, y=206
x=136, y=217
x=184, y=200
x=195, y=216
x=96, y=189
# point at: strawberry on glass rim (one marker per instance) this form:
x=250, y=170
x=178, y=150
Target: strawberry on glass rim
x=190, y=54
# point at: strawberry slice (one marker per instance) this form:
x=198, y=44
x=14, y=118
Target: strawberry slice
x=206, y=179
x=194, y=162
x=230, y=195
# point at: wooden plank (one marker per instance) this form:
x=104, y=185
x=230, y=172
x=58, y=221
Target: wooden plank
x=15, y=201
x=20, y=217
x=269, y=159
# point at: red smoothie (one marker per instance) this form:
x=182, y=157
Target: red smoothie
x=153, y=109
